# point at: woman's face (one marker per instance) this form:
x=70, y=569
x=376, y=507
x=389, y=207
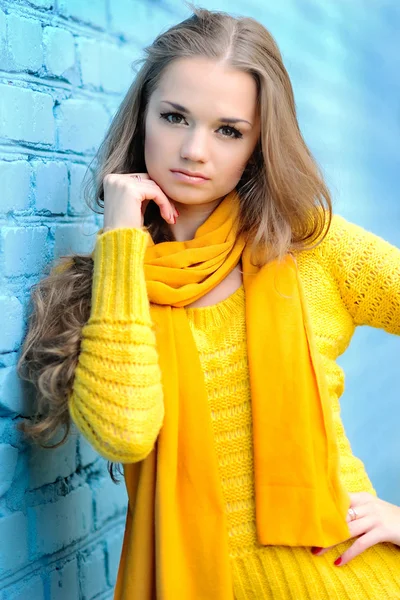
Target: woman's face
x=202, y=119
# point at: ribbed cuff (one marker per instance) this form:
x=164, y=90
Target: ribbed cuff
x=119, y=286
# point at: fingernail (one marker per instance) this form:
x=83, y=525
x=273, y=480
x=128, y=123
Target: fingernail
x=338, y=561
x=315, y=549
x=174, y=220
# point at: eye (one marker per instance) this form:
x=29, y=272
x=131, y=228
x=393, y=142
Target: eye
x=172, y=117
x=231, y=132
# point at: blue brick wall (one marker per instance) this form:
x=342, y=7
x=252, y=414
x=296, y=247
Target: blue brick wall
x=64, y=66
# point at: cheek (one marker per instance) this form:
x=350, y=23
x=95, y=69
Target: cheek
x=150, y=146
x=159, y=147
x=241, y=160
x=236, y=163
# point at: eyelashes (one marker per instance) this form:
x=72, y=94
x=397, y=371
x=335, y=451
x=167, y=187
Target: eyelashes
x=236, y=133
x=233, y=132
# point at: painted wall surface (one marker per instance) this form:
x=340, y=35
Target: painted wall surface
x=64, y=67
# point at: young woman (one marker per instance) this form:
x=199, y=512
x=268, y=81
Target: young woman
x=201, y=354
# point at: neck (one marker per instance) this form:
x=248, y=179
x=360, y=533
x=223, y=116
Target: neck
x=190, y=218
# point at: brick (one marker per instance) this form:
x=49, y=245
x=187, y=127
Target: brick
x=63, y=581
x=92, y=571
x=93, y=13
x=81, y=125
x=3, y=40
x=45, y=466
x=74, y=238
x=87, y=454
x=31, y=587
x=42, y=3
x=24, y=43
x=51, y=187
x=77, y=204
x=15, y=185
x=59, y=52
x=10, y=359
x=8, y=462
x=99, y=220
x=16, y=395
x=89, y=61
x=70, y=518
x=110, y=500
x=116, y=72
x=113, y=555
x=4, y=423
x=13, y=527
x=26, y=115
x=24, y=250
x=12, y=329
x=106, y=65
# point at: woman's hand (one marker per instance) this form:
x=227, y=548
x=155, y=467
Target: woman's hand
x=377, y=521
x=126, y=197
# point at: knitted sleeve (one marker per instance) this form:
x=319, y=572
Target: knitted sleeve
x=367, y=271
x=117, y=399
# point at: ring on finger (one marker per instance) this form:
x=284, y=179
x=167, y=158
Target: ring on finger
x=353, y=514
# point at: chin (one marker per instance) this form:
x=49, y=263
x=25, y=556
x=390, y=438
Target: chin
x=186, y=195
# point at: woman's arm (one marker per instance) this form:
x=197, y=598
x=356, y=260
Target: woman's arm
x=117, y=398
x=367, y=271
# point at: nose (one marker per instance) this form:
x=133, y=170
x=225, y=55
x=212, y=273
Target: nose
x=194, y=147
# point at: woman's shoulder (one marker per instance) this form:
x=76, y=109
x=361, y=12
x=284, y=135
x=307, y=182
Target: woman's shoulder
x=344, y=236
x=341, y=229
x=336, y=231
x=345, y=245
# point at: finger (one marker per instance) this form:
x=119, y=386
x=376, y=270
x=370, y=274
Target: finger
x=167, y=209
x=145, y=180
x=357, y=527
x=146, y=202
x=171, y=204
x=141, y=175
x=361, y=511
x=320, y=551
x=361, y=526
x=149, y=190
x=359, y=498
x=360, y=545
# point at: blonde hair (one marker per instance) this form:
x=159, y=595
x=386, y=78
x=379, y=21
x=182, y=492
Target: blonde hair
x=284, y=202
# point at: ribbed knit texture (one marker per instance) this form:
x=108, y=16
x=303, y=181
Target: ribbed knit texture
x=117, y=399
x=351, y=278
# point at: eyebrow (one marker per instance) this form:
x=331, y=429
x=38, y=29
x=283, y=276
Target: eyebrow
x=222, y=119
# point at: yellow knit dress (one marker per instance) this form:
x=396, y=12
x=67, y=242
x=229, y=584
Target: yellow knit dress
x=351, y=278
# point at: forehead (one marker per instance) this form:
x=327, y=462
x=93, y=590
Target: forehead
x=202, y=84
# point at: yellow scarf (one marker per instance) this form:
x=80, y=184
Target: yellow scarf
x=176, y=544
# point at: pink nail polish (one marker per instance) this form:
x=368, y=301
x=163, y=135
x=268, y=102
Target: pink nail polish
x=315, y=549
x=338, y=561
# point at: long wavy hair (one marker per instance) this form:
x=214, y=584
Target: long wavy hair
x=284, y=202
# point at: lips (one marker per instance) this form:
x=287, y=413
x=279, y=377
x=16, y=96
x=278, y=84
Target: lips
x=190, y=173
